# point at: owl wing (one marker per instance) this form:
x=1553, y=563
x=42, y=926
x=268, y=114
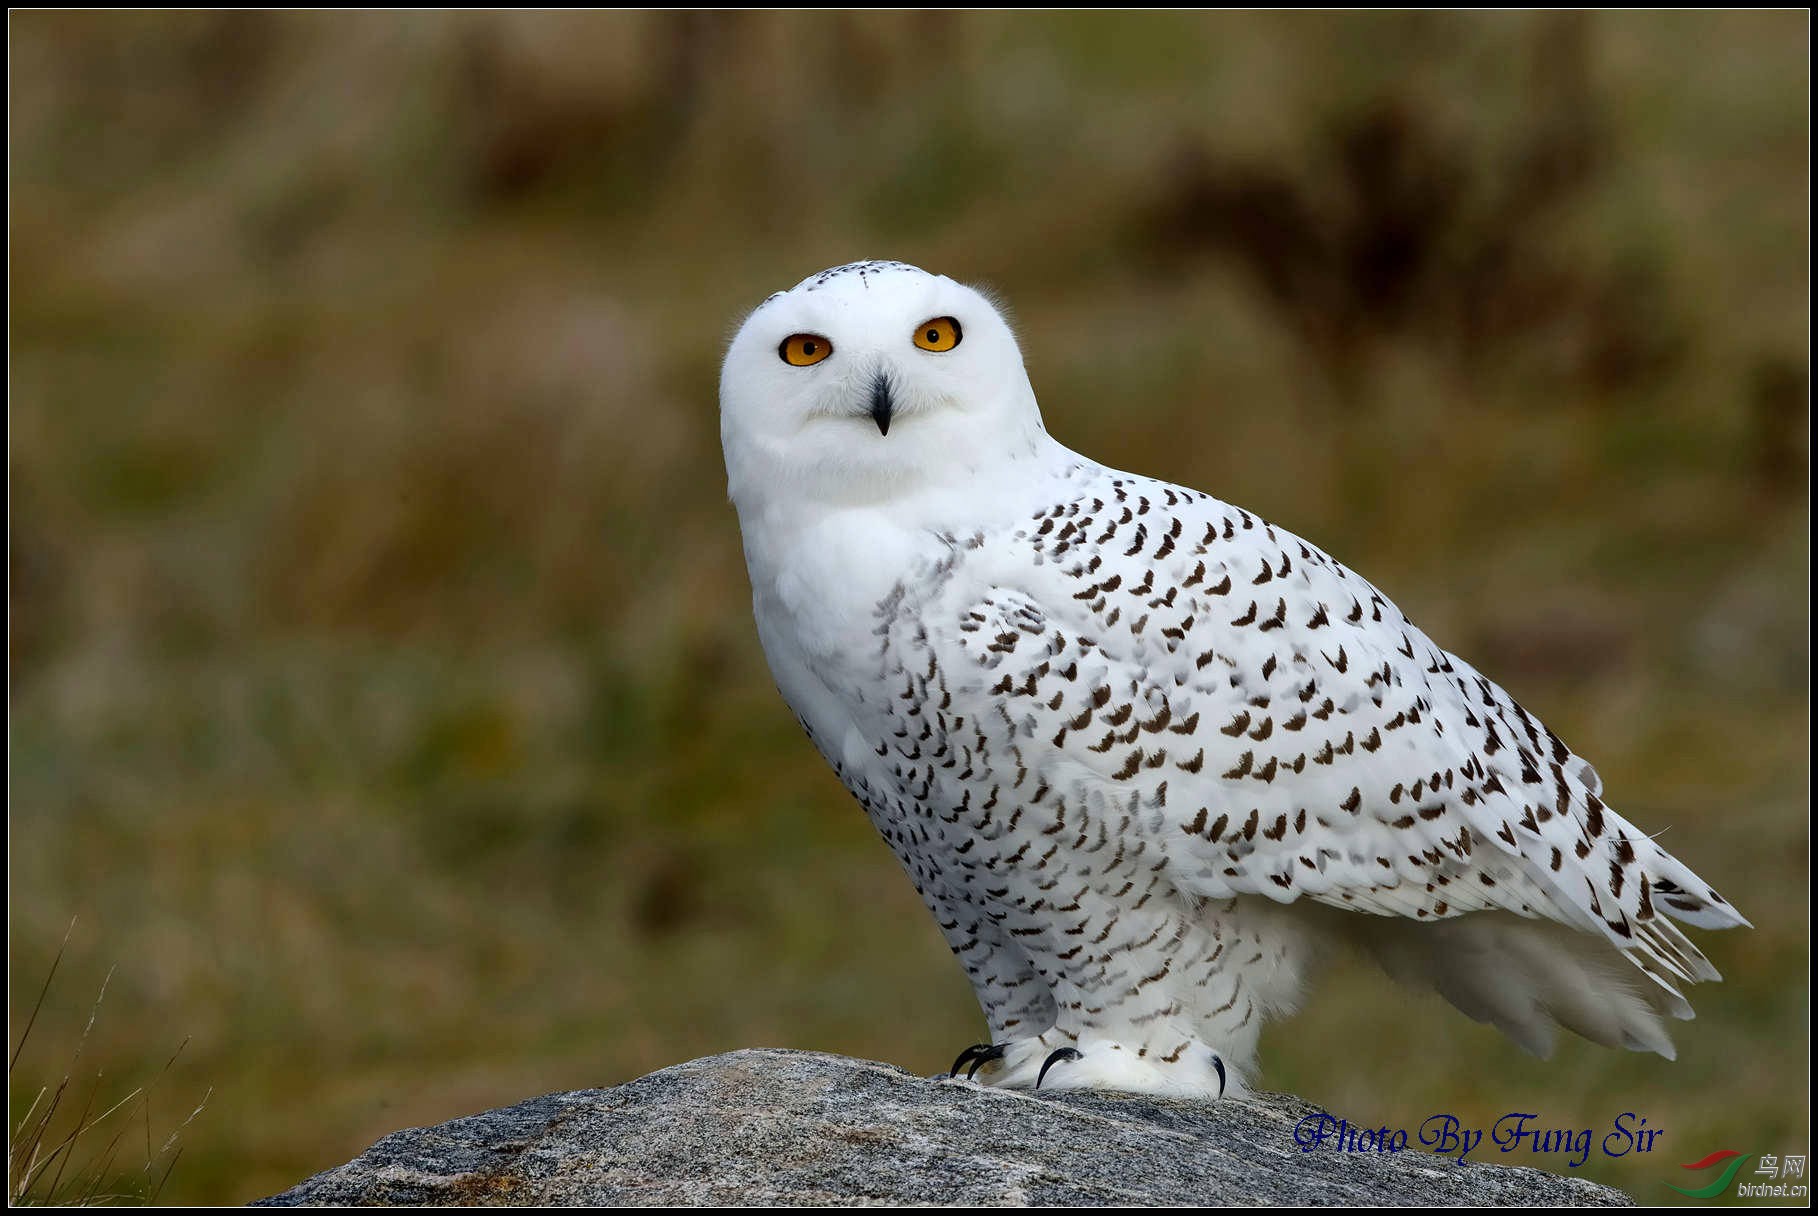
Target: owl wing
x=1278, y=728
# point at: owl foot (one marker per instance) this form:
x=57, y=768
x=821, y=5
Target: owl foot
x=1196, y=1071
x=1061, y=1055
x=978, y=1055
x=1013, y=1064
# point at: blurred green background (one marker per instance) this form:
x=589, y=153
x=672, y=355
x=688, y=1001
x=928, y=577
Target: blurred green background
x=384, y=695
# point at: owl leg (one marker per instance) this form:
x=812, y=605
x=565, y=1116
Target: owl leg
x=1091, y=1063
x=976, y=1057
x=1012, y=1064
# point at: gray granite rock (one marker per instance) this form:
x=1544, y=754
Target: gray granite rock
x=793, y=1127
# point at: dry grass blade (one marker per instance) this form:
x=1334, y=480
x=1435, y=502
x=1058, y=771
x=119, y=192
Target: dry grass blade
x=100, y=1165
x=28, y=1162
x=170, y=1144
x=158, y=1190
x=34, y=1169
x=42, y=991
x=23, y=1177
x=67, y=1147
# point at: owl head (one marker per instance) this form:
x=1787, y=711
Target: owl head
x=869, y=381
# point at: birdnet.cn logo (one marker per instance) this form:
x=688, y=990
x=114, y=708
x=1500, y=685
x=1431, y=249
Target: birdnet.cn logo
x=1773, y=1177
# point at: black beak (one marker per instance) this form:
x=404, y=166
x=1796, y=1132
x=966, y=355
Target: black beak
x=881, y=405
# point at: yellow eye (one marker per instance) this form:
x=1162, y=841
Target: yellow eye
x=804, y=350
x=942, y=333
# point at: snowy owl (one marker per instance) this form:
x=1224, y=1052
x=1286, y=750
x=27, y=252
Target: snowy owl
x=1145, y=756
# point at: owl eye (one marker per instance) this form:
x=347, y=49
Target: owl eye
x=942, y=333
x=804, y=350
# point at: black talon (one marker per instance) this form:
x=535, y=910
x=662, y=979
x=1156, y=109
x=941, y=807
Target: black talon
x=978, y=1055
x=1220, y=1066
x=1059, y=1055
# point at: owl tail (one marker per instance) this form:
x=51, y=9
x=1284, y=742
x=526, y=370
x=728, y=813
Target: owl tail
x=1526, y=977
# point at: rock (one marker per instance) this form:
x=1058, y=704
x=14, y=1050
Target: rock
x=793, y=1127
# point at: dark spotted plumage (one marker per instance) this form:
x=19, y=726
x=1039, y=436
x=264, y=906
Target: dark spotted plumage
x=1368, y=769
x=1144, y=754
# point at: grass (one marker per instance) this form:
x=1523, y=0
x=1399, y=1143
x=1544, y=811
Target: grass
x=53, y=1134
x=384, y=699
